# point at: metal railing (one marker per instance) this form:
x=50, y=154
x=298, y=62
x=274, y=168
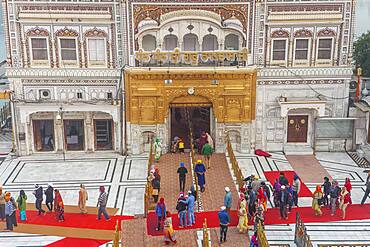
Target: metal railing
x=261, y=236
x=301, y=238
x=148, y=185
x=234, y=163
x=205, y=241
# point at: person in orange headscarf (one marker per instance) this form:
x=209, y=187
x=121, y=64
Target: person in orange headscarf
x=316, y=197
x=59, y=206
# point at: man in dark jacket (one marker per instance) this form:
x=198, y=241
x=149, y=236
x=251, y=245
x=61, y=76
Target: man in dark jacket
x=49, y=193
x=224, y=218
x=334, y=195
x=102, y=203
x=283, y=201
x=326, y=185
x=282, y=179
x=39, y=192
x=181, y=208
x=182, y=171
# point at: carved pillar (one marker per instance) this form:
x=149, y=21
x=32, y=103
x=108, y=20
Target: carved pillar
x=90, y=135
x=59, y=134
x=253, y=136
x=110, y=62
x=82, y=47
x=25, y=59
x=54, y=51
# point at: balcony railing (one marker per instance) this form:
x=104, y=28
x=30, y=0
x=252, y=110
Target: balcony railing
x=177, y=58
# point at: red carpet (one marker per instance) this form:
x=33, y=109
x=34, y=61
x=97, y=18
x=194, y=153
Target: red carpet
x=73, y=242
x=272, y=175
x=212, y=221
x=354, y=212
x=73, y=220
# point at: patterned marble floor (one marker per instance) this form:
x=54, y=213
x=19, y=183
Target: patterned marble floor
x=123, y=177
x=339, y=166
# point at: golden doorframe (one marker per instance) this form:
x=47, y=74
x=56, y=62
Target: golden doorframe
x=150, y=92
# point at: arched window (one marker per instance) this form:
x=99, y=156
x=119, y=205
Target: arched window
x=209, y=43
x=170, y=42
x=191, y=42
x=232, y=42
x=149, y=43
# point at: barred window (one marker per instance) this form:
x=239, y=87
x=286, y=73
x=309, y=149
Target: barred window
x=278, y=49
x=324, y=48
x=68, y=49
x=301, y=49
x=96, y=49
x=39, y=49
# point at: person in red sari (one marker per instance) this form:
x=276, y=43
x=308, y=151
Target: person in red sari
x=348, y=186
x=345, y=199
x=59, y=206
x=262, y=198
x=202, y=141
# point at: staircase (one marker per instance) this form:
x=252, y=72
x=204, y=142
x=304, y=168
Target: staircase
x=297, y=149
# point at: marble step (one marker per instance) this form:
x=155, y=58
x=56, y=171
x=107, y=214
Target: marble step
x=297, y=149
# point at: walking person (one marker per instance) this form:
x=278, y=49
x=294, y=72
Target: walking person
x=156, y=184
x=345, y=199
x=38, y=192
x=252, y=199
x=59, y=206
x=181, y=209
x=160, y=211
x=283, y=201
x=168, y=232
x=282, y=179
x=210, y=140
x=367, y=191
x=228, y=199
x=181, y=146
x=49, y=194
x=82, y=198
x=9, y=212
x=348, y=186
x=207, y=151
x=262, y=198
x=157, y=149
x=296, y=187
x=182, y=171
x=243, y=216
x=276, y=193
x=326, y=185
x=102, y=204
x=224, y=219
x=14, y=215
x=259, y=218
x=334, y=194
x=266, y=189
x=22, y=202
x=190, y=202
x=2, y=204
x=316, y=197
x=200, y=170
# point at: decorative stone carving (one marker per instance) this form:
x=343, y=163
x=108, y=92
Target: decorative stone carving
x=302, y=33
x=327, y=32
x=280, y=34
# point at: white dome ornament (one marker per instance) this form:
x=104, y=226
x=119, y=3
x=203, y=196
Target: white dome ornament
x=190, y=90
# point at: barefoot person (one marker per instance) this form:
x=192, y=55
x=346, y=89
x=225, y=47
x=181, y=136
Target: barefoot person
x=317, y=195
x=168, y=232
x=49, y=197
x=22, y=202
x=207, y=151
x=243, y=216
x=59, y=206
x=157, y=149
x=102, y=203
x=38, y=192
x=82, y=198
x=345, y=199
x=200, y=170
x=160, y=211
x=367, y=191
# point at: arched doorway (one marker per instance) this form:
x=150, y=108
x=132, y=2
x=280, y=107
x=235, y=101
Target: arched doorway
x=190, y=112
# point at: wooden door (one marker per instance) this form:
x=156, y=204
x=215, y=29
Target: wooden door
x=297, y=128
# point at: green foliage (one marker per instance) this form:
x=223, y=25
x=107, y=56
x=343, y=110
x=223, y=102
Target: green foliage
x=362, y=53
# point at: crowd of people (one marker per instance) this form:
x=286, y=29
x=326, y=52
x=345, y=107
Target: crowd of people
x=53, y=201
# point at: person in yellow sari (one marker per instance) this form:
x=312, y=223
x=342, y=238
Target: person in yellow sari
x=168, y=232
x=317, y=195
x=243, y=217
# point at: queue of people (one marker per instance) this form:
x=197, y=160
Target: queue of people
x=53, y=202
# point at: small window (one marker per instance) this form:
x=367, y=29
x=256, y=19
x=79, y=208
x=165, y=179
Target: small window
x=109, y=95
x=96, y=49
x=278, y=50
x=68, y=49
x=301, y=49
x=79, y=95
x=324, y=49
x=39, y=49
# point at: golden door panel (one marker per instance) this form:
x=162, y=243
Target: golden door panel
x=147, y=110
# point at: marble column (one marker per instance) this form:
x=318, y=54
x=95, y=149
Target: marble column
x=59, y=135
x=89, y=133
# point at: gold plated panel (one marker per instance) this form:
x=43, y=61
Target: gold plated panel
x=150, y=92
